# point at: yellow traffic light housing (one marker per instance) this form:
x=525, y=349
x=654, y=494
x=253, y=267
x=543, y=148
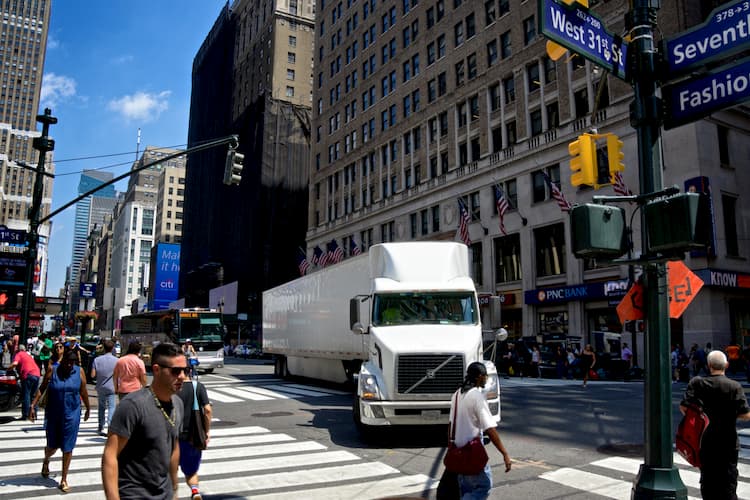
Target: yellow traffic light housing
x=616, y=156
x=582, y=161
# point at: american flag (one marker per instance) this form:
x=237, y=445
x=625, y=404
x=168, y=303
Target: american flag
x=558, y=195
x=502, y=206
x=317, y=257
x=353, y=247
x=335, y=253
x=463, y=222
x=619, y=185
x=302, y=263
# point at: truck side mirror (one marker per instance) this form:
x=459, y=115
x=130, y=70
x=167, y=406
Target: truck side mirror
x=495, y=313
x=358, y=328
x=353, y=312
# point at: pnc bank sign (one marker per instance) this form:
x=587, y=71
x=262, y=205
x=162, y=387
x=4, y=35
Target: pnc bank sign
x=586, y=291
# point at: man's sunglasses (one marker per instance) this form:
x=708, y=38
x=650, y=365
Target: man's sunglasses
x=176, y=370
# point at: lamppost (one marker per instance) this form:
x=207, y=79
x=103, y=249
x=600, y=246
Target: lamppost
x=44, y=144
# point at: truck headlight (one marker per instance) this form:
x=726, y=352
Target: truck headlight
x=369, y=387
x=492, y=387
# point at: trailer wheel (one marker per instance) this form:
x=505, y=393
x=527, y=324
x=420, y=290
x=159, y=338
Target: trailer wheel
x=366, y=432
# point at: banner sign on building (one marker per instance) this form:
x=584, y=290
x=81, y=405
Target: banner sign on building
x=727, y=279
x=167, y=275
x=12, y=269
x=87, y=290
x=585, y=291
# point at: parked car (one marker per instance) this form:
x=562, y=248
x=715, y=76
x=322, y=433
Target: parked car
x=10, y=390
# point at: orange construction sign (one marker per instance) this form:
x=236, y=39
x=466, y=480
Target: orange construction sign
x=684, y=285
x=630, y=307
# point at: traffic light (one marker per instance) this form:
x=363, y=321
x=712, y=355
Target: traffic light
x=616, y=156
x=601, y=150
x=583, y=155
x=233, y=167
x=8, y=299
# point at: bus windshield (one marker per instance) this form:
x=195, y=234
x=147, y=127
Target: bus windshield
x=444, y=308
x=203, y=326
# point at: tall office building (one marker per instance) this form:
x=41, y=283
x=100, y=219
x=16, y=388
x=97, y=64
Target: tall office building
x=90, y=211
x=251, y=77
x=23, y=44
x=420, y=104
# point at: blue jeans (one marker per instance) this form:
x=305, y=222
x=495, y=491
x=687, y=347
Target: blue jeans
x=106, y=402
x=476, y=487
x=29, y=385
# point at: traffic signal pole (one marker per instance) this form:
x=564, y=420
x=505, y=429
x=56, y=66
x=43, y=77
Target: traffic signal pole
x=658, y=478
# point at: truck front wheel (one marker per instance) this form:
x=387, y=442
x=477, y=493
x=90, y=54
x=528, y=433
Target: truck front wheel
x=366, y=432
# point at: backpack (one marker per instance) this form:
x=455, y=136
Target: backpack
x=37, y=349
x=690, y=433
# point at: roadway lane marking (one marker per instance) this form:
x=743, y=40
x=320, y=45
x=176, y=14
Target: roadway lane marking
x=593, y=483
x=265, y=482
x=240, y=393
x=321, y=389
x=217, y=396
x=265, y=392
x=392, y=487
x=299, y=392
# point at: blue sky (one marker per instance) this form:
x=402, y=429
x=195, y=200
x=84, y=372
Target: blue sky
x=112, y=68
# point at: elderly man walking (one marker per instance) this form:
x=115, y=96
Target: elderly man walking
x=723, y=401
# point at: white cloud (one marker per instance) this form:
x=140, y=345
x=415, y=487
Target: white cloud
x=56, y=88
x=141, y=106
x=52, y=42
x=123, y=59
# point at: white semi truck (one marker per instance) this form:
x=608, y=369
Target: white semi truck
x=402, y=322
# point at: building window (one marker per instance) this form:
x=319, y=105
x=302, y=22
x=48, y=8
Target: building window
x=494, y=91
x=292, y=41
x=509, y=89
x=290, y=91
x=492, y=53
x=425, y=222
x=460, y=73
x=550, y=250
x=435, y=218
x=532, y=75
x=510, y=131
x=504, y=7
x=553, y=115
x=458, y=34
x=581, y=101
x=471, y=26
x=413, y=225
x=723, y=134
x=508, y=258
x=471, y=63
x=291, y=57
x=550, y=70
x=490, y=13
x=728, y=205
x=536, y=122
x=476, y=263
x=476, y=212
x=529, y=30
x=539, y=188
x=505, y=45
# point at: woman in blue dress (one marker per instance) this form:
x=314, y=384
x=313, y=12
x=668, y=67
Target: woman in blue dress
x=66, y=387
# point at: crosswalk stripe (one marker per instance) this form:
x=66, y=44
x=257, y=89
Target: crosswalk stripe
x=319, y=389
x=241, y=393
x=593, y=483
x=266, y=392
x=213, y=395
x=396, y=486
x=293, y=390
x=691, y=478
x=265, y=482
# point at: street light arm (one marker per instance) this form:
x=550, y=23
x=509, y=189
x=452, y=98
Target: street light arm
x=232, y=140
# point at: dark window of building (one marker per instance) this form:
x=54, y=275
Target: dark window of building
x=532, y=75
x=490, y=12
x=553, y=115
x=550, y=70
x=536, y=122
x=550, y=250
x=508, y=258
x=505, y=45
x=529, y=30
x=581, y=99
x=476, y=263
x=728, y=205
x=435, y=218
x=509, y=89
x=510, y=131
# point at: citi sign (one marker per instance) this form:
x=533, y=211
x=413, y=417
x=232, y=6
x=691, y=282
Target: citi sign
x=167, y=285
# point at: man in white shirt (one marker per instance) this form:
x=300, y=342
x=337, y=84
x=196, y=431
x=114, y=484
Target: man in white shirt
x=472, y=418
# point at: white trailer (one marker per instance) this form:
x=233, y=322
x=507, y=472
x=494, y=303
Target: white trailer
x=401, y=321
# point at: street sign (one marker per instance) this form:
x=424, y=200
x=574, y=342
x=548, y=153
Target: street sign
x=694, y=98
x=583, y=33
x=16, y=236
x=725, y=32
x=87, y=290
x=684, y=285
x=630, y=307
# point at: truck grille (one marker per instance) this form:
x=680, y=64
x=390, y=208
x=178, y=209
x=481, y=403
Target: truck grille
x=419, y=373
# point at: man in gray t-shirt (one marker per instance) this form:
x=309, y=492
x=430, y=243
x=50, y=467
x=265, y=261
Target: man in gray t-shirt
x=102, y=369
x=142, y=453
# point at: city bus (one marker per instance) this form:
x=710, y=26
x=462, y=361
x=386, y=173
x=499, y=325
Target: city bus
x=203, y=327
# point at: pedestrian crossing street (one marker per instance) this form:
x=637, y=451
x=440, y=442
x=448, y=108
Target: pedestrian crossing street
x=230, y=390
x=613, y=477
x=241, y=462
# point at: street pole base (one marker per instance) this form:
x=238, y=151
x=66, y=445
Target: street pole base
x=658, y=483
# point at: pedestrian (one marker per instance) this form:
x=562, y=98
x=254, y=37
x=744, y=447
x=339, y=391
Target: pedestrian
x=536, y=360
x=66, y=388
x=29, y=373
x=733, y=357
x=190, y=457
x=627, y=355
x=141, y=455
x=573, y=362
x=130, y=372
x=561, y=362
x=5, y=361
x=45, y=353
x=588, y=361
x=103, y=371
x=473, y=418
x=723, y=401
x=187, y=349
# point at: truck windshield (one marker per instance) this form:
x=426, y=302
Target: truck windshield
x=412, y=308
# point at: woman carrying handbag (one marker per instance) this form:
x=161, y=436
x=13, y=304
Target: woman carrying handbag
x=470, y=417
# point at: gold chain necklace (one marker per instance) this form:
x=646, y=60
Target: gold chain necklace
x=158, y=405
